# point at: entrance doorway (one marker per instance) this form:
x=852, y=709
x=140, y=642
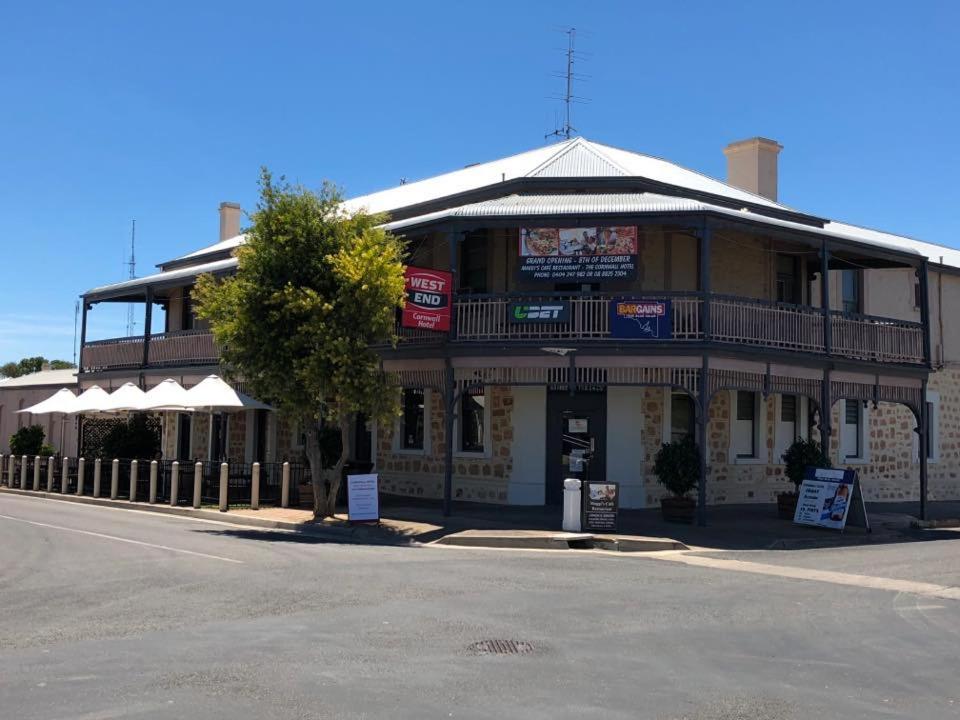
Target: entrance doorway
x=576, y=426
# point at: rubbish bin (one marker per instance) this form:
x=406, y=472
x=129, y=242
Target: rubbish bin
x=571, y=505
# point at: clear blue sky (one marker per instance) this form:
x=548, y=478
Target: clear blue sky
x=158, y=111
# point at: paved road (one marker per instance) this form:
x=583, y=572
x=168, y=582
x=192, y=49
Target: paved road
x=115, y=614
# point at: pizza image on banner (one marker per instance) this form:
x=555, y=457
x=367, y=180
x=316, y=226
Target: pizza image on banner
x=427, y=299
x=593, y=253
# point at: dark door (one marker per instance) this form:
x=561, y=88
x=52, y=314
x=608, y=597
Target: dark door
x=576, y=428
x=183, y=438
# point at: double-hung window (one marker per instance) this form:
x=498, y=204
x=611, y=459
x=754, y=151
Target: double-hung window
x=413, y=419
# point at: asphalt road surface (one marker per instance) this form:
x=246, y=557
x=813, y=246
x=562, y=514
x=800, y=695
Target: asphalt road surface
x=116, y=614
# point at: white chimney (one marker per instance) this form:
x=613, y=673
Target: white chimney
x=229, y=220
x=752, y=165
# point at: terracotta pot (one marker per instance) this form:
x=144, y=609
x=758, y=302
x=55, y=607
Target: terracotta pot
x=787, y=505
x=678, y=509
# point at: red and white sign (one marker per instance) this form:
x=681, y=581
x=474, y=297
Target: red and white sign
x=428, y=299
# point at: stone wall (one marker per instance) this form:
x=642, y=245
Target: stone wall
x=420, y=474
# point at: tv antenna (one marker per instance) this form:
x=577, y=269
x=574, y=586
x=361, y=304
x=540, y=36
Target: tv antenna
x=131, y=274
x=568, y=98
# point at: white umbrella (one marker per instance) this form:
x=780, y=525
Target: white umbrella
x=168, y=395
x=127, y=397
x=212, y=393
x=61, y=402
x=91, y=400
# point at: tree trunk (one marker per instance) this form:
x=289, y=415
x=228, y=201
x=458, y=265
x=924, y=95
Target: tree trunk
x=336, y=472
x=315, y=460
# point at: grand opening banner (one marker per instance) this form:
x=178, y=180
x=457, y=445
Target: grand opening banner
x=428, y=299
x=584, y=254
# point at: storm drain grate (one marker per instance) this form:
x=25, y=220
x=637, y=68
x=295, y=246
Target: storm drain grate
x=500, y=647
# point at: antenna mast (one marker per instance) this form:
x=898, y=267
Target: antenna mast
x=132, y=273
x=567, y=130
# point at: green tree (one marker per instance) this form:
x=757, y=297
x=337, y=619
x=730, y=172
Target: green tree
x=31, y=365
x=28, y=440
x=315, y=287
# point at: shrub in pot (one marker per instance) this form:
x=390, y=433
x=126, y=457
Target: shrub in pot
x=27, y=440
x=799, y=456
x=677, y=466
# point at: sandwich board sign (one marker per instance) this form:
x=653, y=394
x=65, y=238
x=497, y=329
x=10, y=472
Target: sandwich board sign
x=601, y=503
x=363, y=499
x=831, y=499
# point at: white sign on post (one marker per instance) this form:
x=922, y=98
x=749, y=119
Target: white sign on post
x=830, y=499
x=363, y=499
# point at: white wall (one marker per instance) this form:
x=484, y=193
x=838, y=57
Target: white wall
x=625, y=420
x=528, y=479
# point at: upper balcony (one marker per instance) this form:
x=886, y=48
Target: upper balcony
x=182, y=348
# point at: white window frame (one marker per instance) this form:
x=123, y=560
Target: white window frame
x=802, y=423
x=458, y=439
x=934, y=427
x=666, y=426
x=398, y=427
x=864, y=457
x=759, y=425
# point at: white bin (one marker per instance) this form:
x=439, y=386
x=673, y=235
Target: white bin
x=571, y=505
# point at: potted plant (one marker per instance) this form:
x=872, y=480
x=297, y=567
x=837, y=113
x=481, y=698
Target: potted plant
x=677, y=466
x=798, y=457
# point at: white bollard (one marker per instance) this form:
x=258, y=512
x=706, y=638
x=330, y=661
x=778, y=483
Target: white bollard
x=114, y=479
x=174, y=483
x=285, y=486
x=571, y=505
x=23, y=472
x=81, y=465
x=134, y=471
x=255, y=487
x=197, y=483
x=97, y=469
x=37, y=464
x=153, y=482
x=224, y=485
x=65, y=477
x=11, y=471
x=51, y=466
x=3, y=467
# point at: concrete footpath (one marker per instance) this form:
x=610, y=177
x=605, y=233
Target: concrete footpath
x=407, y=522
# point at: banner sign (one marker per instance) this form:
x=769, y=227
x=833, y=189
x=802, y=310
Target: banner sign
x=363, y=499
x=582, y=254
x=601, y=502
x=831, y=499
x=552, y=312
x=645, y=319
x=428, y=299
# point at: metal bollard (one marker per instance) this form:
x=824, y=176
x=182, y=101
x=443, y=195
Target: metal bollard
x=97, y=469
x=3, y=460
x=37, y=462
x=81, y=465
x=153, y=482
x=65, y=477
x=174, y=483
x=255, y=487
x=134, y=472
x=114, y=479
x=51, y=466
x=285, y=486
x=197, y=483
x=224, y=485
x=23, y=472
x=11, y=471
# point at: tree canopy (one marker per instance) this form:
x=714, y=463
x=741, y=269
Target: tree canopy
x=31, y=365
x=315, y=287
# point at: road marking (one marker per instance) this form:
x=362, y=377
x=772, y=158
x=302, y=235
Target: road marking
x=798, y=573
x=125, y=540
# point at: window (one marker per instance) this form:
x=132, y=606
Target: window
x=792, y=423
x=472, y=421
x=473, y=263
x=219, y=433
x=850, y=287
x=184, y=445
x=788, y=279
x=745, y=430
x=933, y=430
x=413, y=419
x=853, y=431
x=682, y=416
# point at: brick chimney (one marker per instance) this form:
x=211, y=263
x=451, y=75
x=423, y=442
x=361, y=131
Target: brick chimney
x=229, y=220
x=752, y=165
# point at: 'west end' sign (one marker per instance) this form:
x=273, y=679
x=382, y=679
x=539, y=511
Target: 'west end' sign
x=584, y=254
x=640, y=319
x=428, y=299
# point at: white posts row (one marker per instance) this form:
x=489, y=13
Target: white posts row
x=8, y=463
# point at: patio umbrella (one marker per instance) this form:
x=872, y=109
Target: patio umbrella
x=168, y=395
x=91, y=400
x=63, y=402
x=213, y=394
x=127, y=397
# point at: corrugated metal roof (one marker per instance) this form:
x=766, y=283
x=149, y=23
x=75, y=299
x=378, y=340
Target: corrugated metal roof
x=219, y=266
x=42, y=379
x=227, y=244
x=578, y=160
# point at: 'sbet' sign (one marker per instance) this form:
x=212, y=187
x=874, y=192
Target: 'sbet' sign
x=428, y=299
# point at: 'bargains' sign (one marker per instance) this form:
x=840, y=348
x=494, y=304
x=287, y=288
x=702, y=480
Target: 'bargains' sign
x=428, y=299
